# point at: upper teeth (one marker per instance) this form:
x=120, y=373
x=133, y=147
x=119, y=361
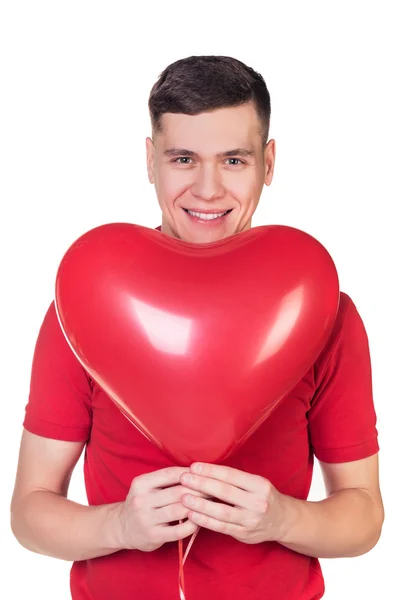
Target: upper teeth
x=206, y=216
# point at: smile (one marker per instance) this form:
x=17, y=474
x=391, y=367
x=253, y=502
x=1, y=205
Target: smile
x=207, y=216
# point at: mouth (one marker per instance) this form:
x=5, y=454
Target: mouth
x=207, y=217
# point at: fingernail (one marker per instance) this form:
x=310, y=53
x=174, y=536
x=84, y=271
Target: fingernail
x=190, y=501
x=187, y=478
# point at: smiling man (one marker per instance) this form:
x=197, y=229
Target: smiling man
x=259, y=537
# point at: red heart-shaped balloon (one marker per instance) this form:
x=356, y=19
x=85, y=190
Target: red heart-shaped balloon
x=196, y=343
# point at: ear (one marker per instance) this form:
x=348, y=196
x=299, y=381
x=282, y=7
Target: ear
x=269, y=157
x=150, y=159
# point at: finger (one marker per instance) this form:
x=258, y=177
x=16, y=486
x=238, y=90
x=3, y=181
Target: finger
x=159, y=479
x=246, y=481
x=172, y=533
x=221, y=512
x=171, y=513
x=218, y=489
x=171, y=495
x=215, y=525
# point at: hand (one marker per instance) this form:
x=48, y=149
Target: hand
x=252, y=509
x=153, y=502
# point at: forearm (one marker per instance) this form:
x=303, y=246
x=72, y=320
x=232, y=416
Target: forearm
x=346, y=524
x=50, y=524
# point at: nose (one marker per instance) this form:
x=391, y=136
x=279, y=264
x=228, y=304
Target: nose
x=207, y=185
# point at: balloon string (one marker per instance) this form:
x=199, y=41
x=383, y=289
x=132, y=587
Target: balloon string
x=182, y=560
x=181, y=576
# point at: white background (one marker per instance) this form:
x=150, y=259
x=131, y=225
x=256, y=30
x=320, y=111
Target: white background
x=75, y=80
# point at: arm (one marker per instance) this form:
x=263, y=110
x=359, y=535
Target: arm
x=44, y=521
x=42, y=518
x=347, y=523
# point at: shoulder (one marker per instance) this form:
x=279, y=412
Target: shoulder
x=52, y=348
x=51, y=326
x=347, y=313
x=348, y=336
x=60, y=395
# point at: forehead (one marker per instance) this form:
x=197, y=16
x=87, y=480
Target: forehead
x=235, y=127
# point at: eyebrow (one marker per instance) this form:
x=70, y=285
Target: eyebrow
x=227, y=153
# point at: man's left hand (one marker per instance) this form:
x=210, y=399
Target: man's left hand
x=249, y=507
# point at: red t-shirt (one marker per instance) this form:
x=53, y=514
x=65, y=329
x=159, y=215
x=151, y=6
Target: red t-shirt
x=329, y=414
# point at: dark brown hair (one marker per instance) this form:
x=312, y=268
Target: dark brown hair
x=203, y=83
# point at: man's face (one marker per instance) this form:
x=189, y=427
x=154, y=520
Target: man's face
x=209, y=171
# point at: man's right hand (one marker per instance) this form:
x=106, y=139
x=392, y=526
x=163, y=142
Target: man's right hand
x=145, y=518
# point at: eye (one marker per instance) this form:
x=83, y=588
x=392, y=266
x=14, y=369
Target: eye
x=238, y=161
x=182, y=158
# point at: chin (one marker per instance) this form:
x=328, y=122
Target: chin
x=200, y=233
x=206, y=237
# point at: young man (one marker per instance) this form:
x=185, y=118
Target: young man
x=260, y=538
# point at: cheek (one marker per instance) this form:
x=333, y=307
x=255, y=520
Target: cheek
x=245, y=189
x=170, y=185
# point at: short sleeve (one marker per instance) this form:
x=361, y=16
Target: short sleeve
x=342, y=418
x=59, y=405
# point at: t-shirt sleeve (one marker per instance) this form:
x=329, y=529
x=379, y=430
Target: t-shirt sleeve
x=60, y=396
x=342, y=418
